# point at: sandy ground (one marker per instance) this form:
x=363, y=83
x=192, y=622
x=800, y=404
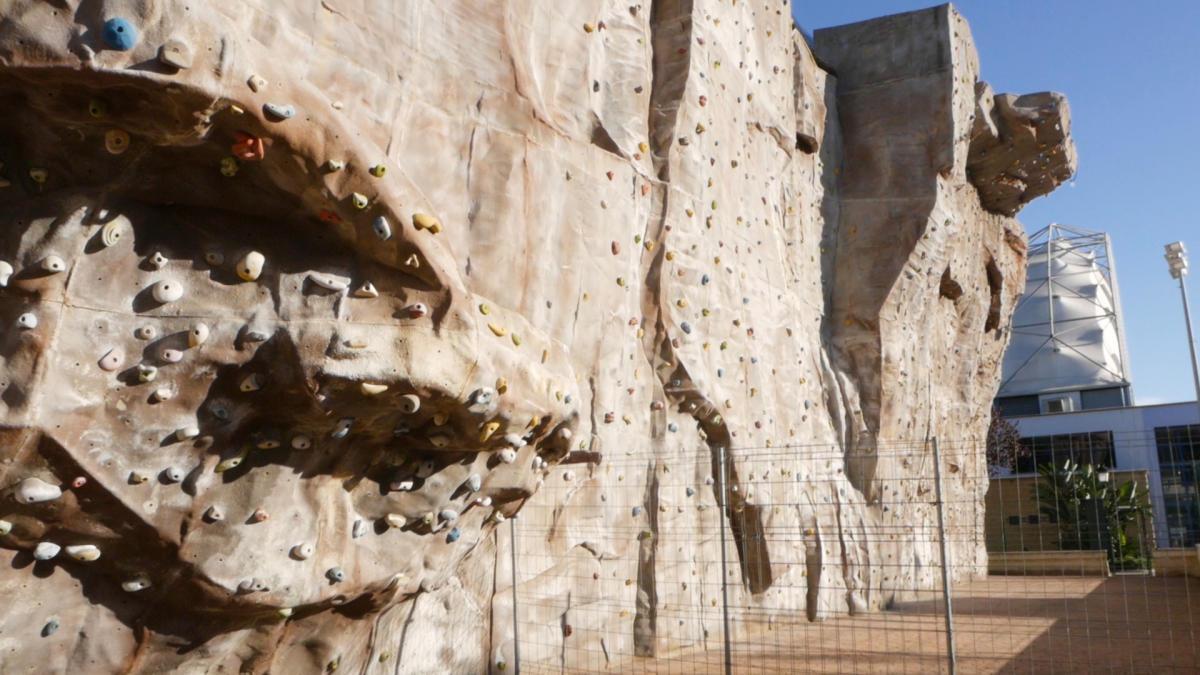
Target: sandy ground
x=1123, y=624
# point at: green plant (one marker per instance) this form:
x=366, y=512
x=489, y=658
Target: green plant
x=1093, y=512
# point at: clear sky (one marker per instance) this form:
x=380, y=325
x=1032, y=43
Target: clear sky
x=1132, y=73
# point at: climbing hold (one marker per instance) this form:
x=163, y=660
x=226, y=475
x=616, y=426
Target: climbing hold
x=382, y=228
x=256, y=83
x=400, y=486
x=359, y=200
x=497, y=330
x=487, y=430
x=260, y=515
x=46, y=550
x=229, y=167
x=214, y=514
x=301, y=442
x=39, y=176
x=425, y=469
x=198, y=335
x=112, y=359
x=172, y=474
x=176, y=54
x=33, y=490
x=162, y=394
x=359, y=529
x=330, y=282
x=231, y=463
x=250, y=266
x=335, y=575
x=370, y=389
x=248, y=147
x=453, y=535
x=136, y=584
x=637, y=511
x=686, y=327
x=166, y=291
x=112, y=232
x=219, y=409
x=708, y=480
x=252, y=382
x=508, y=455
x=284, y=612
x=50, y=628
x=6, y=272
x=53, y=264
x=214, y=258
x=568, y=476
x=279, y=112
x=119, y=34
x=410, y=403
x=84, y=552
x=424, y=221
x=116, y=141
x=690, y=491
x=366, y=290
x=333, y=165
x=146, y=372
x=5, y=527
x=28, y=321
x=482, y=400
x=302, y=551
x=138, y=478
x=474, y=482
x=448, y=515
x=343, y=427
x=378, y=171
x=97, y=108
x=417, y=310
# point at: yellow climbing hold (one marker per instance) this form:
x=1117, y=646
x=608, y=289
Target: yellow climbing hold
x=643, y=147
x=501, y=385
x=378, y=170
x=424, y=221
x=229, y=167
x=516, y=339
x=484, y=309
x=488, y=429
x=498, y=331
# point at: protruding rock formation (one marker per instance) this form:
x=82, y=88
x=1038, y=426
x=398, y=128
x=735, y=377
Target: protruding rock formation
x=299, y=303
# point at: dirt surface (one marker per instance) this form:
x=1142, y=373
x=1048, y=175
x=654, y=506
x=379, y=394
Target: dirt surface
x=1123, y=624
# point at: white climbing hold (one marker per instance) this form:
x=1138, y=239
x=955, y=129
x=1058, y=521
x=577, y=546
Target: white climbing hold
x=53, y=264
x=410, y=403
x=27, y=321
x=302, y=551
x=508, y=455
x=256, y=83
x=343, y=427
x=568, y=476
x=359, y=530
x=482, y=400
x=145, y=332
x=279, y=111
x=366, y=290
x=138, y=478
x=402, y=485
x=515, y=440
x=5, y=527
x=176, y=54
x=167, y=290
x=395, y=520
x=84, y=552
x=425, y=469
x=146, y=373
x=332, y=165
x=198, y=335
x=448, y=515
x=214, y=515
x=371, y=389
x=162, y=394
x=136, y=584
x=112, y=359
x=6, y=272
x=301, y=442
x=417, y=310
x=330, y=282
x=474, y=482
x=250, y=267
x=382, y=228
x=187, y=433
x=46, y=550
x=172, y=474
x=112, y=232
x=33, y=490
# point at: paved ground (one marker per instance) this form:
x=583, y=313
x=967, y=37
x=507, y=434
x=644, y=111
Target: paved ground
x=1123, y=624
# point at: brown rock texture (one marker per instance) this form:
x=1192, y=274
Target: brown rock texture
x=306, y=298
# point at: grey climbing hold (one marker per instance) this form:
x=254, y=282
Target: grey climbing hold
x=686, y=327
x=448, y=515
x=279, y=111
x=382, y=228
x=672, y=427
x=343, y=427
x=359, y=530
x=50, y=628
x=335, y=574
x=135, y=584
x=301, y=442
x=637, y=511
x=482, y=399
x=453, y=535
x=690, y=491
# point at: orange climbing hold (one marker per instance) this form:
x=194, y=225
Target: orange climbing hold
x=248, y=147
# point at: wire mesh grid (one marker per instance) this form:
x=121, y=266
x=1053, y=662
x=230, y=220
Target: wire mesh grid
x=815, y=560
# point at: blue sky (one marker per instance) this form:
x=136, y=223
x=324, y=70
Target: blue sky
x=1130, y=71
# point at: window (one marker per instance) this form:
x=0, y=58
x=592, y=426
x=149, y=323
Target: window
x=1091, y=447
x=1179, y=462
x=1058, y=404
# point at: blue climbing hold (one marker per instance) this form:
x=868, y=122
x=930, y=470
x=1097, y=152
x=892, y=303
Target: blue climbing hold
x=120, y=34
x=453, y=535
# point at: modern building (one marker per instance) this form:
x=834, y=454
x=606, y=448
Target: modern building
x=1066, y=384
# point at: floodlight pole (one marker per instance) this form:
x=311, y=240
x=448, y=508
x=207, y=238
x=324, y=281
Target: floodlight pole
x=1176, y=255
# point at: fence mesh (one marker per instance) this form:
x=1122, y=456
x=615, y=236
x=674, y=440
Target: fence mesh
x=815, y=561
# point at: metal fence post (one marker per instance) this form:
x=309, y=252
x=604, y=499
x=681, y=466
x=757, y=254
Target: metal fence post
x=512, y=534
x=721, y=498
x=951, y=657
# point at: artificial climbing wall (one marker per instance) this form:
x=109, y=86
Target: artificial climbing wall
x=300, y=302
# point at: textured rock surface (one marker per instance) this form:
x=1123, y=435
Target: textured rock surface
x=570, y=232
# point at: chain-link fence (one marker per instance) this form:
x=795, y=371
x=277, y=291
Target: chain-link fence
x=806, y=559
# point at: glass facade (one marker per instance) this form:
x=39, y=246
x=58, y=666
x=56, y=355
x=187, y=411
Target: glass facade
x=1179, y=462
x=1093, y=447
